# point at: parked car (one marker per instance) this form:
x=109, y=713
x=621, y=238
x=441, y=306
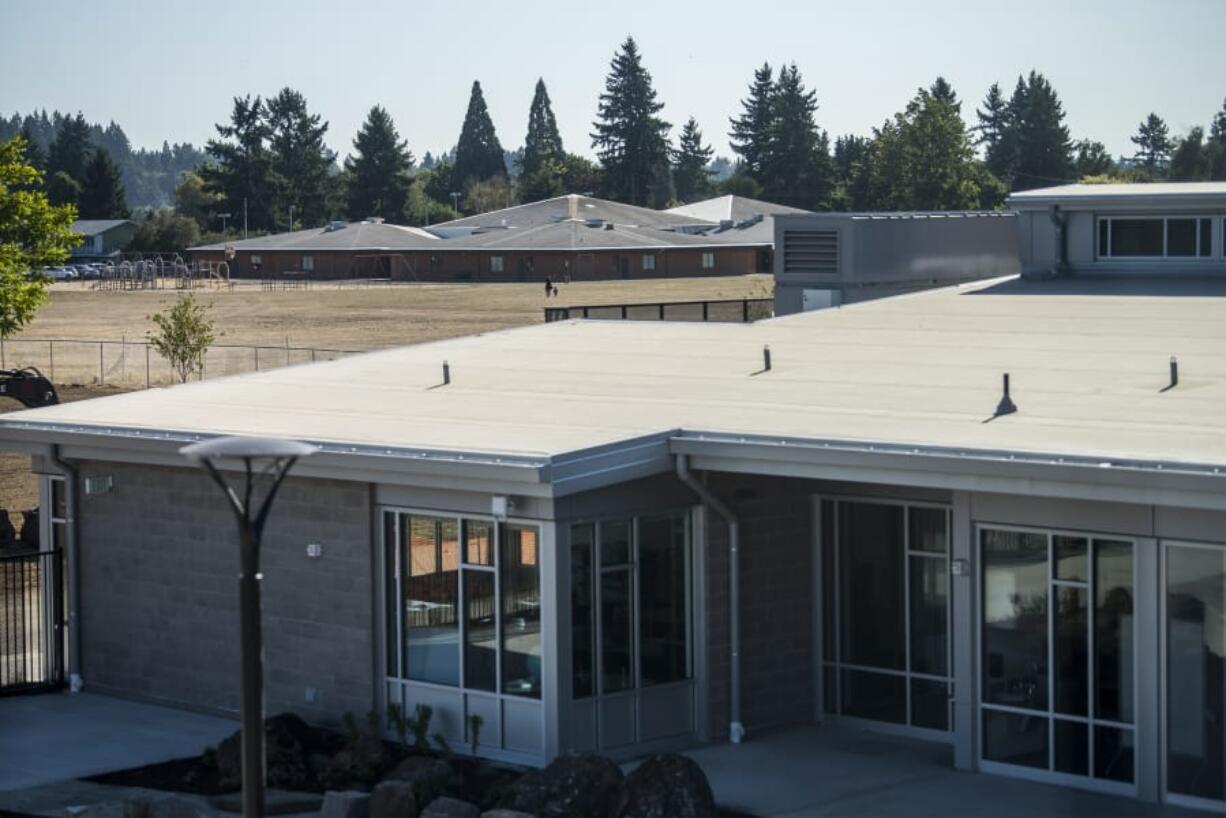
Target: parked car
x=60, y=273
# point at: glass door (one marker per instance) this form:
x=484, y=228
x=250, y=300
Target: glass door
x=1195, y=679
x=1057, y=655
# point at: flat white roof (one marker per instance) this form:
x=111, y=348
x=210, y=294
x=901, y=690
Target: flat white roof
x=1145, y=193
x=1088, y=361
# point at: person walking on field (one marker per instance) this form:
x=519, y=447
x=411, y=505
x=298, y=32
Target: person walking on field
x=549, y=290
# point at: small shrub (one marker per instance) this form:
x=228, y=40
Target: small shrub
x=475, y=722
x=419, y=725
x=397, y=721
x=443, y=746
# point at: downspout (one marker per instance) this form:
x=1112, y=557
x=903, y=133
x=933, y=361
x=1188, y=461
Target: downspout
x=75, y=681
x=736, y=730
x=1060, y=220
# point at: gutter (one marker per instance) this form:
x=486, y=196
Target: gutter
x=75, y=680
x=736, y=730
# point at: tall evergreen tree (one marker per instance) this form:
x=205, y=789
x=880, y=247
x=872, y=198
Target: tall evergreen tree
x=1190, y=159
x=993, y=131
x=690, y=173
x=1093, y=159
x=69, y=152
x=543, y=163
x=1028, y=145
x=242, y=171
x=852, y=163
x=35, y=157
x=942, y=91
x=630, y=138
x=796, y=171
x=1216, y=145
x=379, y=170
x=751, y=130
x=301, y=162
x=1153, y=141
x=478, y=154
x=102, y=194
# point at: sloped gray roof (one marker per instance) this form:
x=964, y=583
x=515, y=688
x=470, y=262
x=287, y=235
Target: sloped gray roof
x=736, y=208
x=353, y=236
x=571, y=206
x=92, y=227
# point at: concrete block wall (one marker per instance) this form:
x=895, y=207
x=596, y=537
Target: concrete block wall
x=776, y=604
x=159, y=593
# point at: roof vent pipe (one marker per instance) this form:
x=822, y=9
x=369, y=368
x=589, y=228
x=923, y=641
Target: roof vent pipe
x=766, y=358
x=1006, y=405
x=736, y=730
x=1174, y=374
x=446, y=373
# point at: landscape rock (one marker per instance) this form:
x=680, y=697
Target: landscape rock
x=344, y=804
x=429, y=776
x=451, y=808
x=393, y=799
x=572, y=786
x=667, y=786
x=288, y=742
x=358, y=763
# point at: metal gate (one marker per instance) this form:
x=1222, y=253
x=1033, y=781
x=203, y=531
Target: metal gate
x=31, y=622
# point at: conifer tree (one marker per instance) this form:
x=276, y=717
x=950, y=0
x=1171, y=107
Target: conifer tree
x=1190, y=159
x=543, y=164
x=1093, y=159
x=690, y=174
x=301, y=163
x=1027, y=144
x=630, y=138
x=35, y=157
x=242, y=168
x=1153, y=141
x=751, y=131
x=478, y=154
x=70, y=149
x=796, y=170
x=379, y=170
x=102, y=194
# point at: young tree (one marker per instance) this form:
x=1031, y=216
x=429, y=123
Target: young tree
x=242, y=171
x=690, y=174
x=301, y=161
x=494, y=193
x=1191, y=160
x=478, y=153
x=165, y=231
x=378, y=174
x=102, y=194
x=630, y=139
x=1153, y=141
x=33, y=234
x=70, y=149
x=183, y=335
x=796, y=170
x=194, y=201
x=1093, y=159
x=751, y=130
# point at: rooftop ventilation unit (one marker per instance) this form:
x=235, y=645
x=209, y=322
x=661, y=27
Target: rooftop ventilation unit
x=726, y=224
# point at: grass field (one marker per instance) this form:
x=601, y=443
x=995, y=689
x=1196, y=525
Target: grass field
x=326, y=316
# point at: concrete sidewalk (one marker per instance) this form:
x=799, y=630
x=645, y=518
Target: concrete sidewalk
x=812, y=772
x=61, y=736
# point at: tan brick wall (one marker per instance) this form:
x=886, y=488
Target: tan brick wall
x=159, y=593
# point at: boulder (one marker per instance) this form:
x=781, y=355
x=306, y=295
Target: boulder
x=451, y=808
x=344, y=804
x=358, y=763
x=572, y=786
x=429, y=776
x=667, y=786
x=393, y=799
x=288, y=742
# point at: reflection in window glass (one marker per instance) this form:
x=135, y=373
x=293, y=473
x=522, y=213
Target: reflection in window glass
x=929, y=704
x=1071, y=556
x=521, y=612
x=1114, y=754
x=1072, y=651
x=1206, y=239
x=1181, y=237
x=872, y=589
x=1012, y=738
x=1103, y=227
x=1015, y=584
x=430, y=546
x=616, y=661
x=1072, y=747
x=663, y=626
x=615, y=542
x=478, y=542
x=582, y=612
x=927, y=529
x=876, y=696
x=480, y=631
x=1113, y=635
x=929, y=604
x=1136, y=237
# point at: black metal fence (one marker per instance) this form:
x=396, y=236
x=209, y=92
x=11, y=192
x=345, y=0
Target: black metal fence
x=31, y=621
x=732, y=310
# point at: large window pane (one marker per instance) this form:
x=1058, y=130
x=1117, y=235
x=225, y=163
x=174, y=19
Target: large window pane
x=876, y=696
x=663, y=625
x=480, y=631
x=615, y=542
x=1114, y=754
x=478, y=542
x=391, y=605
x=1181, y=237
x=1011, y=738
x=929, y=606
x=1103, y=227
x=1072, y=554
x=927, y=529
x=582, y=612
x=929, y=704
x=430, y=546
x=616, y=660
x=1206, y=238
x=1196, y=662
x=521, y=611
x=1072, y=747
x=1136, y=237
x=871, y=592
x=1113, y=635
x=1072, y=651
x=1015, y=584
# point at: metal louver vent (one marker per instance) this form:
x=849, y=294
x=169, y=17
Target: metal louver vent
x=811, y=252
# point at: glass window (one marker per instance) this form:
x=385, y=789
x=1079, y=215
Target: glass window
x=1181, y=237
x=478, y=542
x=929, y=604
x=1136, y=237
x=256, y=261
x=616, y=660
x=480, y=631
x=582, y=611
x=391, y=607
x=927, y=529
x=615, y=542
x=431, y=589
x=308, y=264
x=521, y=611
x=1114, y=754
x=1072, y=554
x=663, y=625
x=708, y=261
x=1205, y=239
x=495, y=264
x=1072, y=650
x=876, y=696
x=1014, y=602
x=1072, y=747
x=872, y=588
x=1104, y=230
x=59, y=499
x=1012, y=738
x=649, y=262
x=828, y=591
x=929, y=704
x=1113, y=630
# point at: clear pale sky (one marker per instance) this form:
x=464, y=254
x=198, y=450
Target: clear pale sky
x=168, y=70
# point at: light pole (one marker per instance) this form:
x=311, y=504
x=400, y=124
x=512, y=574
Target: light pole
x=261, y=457
x=291, y=218
x=224, y=217
x=455, y=202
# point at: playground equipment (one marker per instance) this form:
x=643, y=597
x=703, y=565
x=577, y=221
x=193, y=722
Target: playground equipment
x=163, y=270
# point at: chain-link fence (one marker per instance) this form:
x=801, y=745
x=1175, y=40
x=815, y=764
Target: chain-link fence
x=136, y=364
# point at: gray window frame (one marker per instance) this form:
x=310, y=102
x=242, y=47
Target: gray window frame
x=1201, y=219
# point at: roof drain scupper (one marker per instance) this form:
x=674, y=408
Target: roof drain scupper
x=736, y=730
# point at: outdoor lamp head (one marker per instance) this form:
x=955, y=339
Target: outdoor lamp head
x=247, y=448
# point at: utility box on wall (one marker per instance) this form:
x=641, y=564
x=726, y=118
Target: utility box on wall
x=828, y=259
